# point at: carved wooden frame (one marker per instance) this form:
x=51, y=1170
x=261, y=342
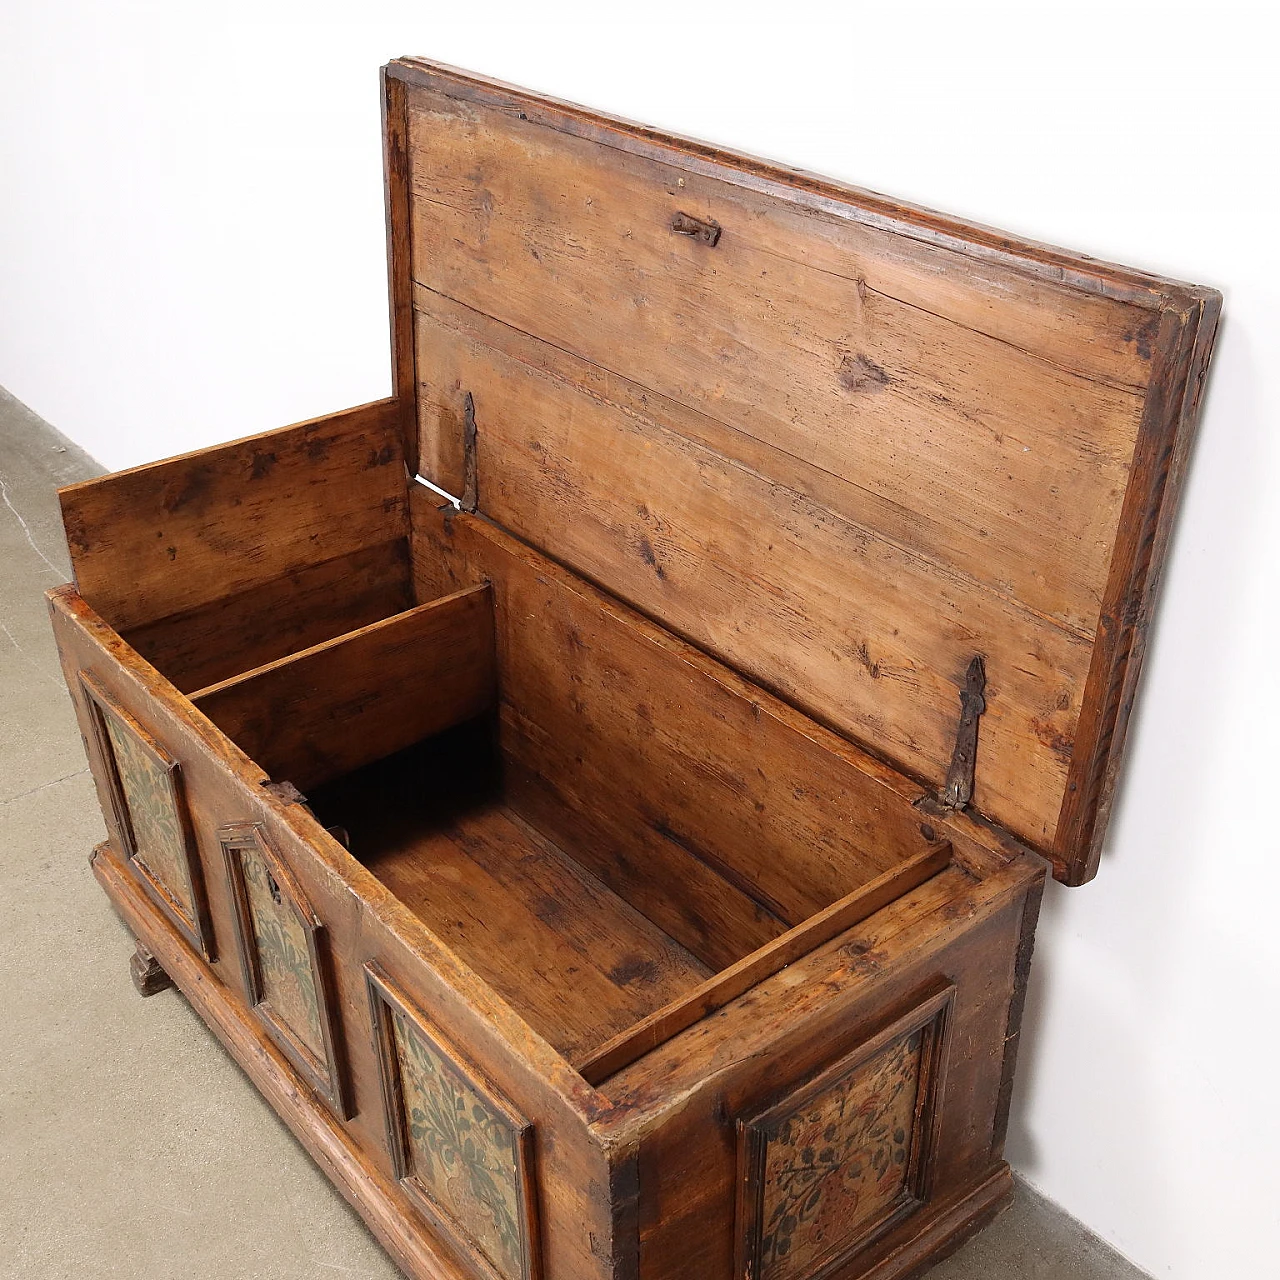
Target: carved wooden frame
x=386, y=999
x=195, y=926
x=931, y=1017
x=325, y=1076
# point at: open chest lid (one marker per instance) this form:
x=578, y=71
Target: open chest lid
x=844, y=444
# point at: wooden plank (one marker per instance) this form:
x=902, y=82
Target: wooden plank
x=320, y=713
x=983, y=456
x=463, y=351
x=938, y=245
x=235, y=633
x=573, y=959
x=659, y=766
x=728, y=985
x=172, y=536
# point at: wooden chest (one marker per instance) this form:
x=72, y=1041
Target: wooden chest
x=630, y=869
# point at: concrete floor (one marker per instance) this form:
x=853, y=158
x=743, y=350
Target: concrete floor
x=130, y=1144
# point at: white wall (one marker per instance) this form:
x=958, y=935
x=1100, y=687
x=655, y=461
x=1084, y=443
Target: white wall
x=191, y=248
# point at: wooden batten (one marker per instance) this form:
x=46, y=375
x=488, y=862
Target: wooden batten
x=842, y=444
x=730, y=983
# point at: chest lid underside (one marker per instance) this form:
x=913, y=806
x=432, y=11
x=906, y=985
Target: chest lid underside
x=844, y=444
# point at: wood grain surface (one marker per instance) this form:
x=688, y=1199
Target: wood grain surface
x=622, y=784
x=317, y=714
x=171, y=536
x=657, y=767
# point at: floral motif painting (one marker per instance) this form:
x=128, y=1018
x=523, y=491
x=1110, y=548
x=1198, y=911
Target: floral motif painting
x=464, y=1153
x=286, y=974
x=838, y=1162
x=846, y=1155
x=282, y=948
x=158, y=834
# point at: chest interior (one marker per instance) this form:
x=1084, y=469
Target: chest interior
x=616, y=831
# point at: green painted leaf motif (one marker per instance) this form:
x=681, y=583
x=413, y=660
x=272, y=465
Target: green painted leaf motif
x=839, y=1162
x=464, y=1151
x=284, y=959
x=157, y=828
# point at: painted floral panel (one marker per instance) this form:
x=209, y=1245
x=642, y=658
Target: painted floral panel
x=464, y=1152
x=838, y=1162
x=284, y=959
x=158, y=834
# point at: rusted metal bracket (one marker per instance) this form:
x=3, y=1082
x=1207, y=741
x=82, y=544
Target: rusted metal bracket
x=285, y=792
x=704, y=229
x=470, y=499
x=289, y=794
x=958, y=790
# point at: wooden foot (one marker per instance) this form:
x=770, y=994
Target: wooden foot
x=147, y=975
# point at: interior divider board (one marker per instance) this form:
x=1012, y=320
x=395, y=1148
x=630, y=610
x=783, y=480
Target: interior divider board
x=236, y=633
x=654, y=765
x=172, y=536
x=318, y=714
x=739, y=978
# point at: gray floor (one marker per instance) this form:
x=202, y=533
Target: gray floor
x=130, y=1144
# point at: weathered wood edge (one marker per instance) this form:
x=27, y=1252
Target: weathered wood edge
x=762, y=963
x=374, y=408
x=1170, y=418
x=395, y=160
x=1042, y=261
x=1017, y=1008
x=624, y=1195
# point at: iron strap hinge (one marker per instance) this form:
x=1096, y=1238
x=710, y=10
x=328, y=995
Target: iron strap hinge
x=958, y=789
